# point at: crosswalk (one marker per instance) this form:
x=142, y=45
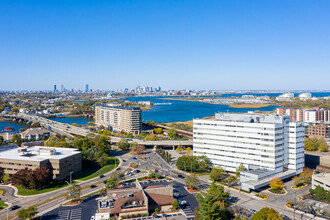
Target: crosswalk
x=71, y=214
x=75, y=214
x=188, y=212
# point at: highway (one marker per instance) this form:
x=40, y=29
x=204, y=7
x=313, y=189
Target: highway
x=70, y=130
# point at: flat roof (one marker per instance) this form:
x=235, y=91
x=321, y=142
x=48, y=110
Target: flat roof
x=324, y=177
x=120, y=107
x=32, y=153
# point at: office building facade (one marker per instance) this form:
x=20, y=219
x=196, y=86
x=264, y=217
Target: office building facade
x=60, y=161
x=266, y=144
x=119, y=118
x=312, y=115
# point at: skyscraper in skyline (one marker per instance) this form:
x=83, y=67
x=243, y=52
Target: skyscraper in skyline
x=54, y=88
x=86, y=88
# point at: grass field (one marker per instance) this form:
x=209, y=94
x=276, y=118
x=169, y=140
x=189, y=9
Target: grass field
x=28, y=192
x=3, y=205
x=87, y=174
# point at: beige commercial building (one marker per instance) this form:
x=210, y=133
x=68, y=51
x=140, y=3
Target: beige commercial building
x=60, y=161
x=321, y=179
x=119, y=118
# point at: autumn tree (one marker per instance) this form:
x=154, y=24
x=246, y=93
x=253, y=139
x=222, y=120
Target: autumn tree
x=217, y=173
x=188, y=151
x=31, y=179
x=267, y=213
x=158, y=130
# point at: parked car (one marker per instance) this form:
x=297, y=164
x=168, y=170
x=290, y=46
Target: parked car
x=134, y=158
x=181, y=176
x=92, y=186
x=136, y=171
x=176, y=194
x=182, y=202
x=149, y=181
x=105, y=181
x=124, y=160
x=156, y=216
x=14, y=207
x=101, y=176
x=118, y=168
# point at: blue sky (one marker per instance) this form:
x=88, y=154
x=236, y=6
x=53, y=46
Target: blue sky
x=190, y=44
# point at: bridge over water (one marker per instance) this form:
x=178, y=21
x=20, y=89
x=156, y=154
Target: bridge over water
x=70, y=130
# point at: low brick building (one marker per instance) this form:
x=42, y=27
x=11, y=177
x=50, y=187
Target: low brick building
x=137, y=201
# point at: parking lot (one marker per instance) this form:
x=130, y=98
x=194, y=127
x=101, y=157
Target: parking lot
x=179, y=188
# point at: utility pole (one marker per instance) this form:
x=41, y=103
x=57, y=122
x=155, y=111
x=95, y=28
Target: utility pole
x=71, y=177
x=191, y=166
x=185, y=170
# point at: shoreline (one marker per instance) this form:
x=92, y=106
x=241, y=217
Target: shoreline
x=232, y=105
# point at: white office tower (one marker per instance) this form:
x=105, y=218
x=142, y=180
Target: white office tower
x=267, y=145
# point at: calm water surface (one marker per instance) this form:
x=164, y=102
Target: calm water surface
x=69, y=120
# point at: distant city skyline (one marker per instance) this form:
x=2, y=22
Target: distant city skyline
x=216, y=45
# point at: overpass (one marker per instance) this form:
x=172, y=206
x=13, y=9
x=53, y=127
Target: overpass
x=169, y=143
x=61, y=128
x=178, y=130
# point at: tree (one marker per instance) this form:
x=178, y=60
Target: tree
x=31, y=179
x=217, y=173
x=267, y=214
x=35, y=125
x=320, y=194
x=103, y=160
x=151, y=137
x=276, y=184
x=175, y=205
x=323, y=146
x=5, y=178
x=114, y=180
x=123, y=144
x=239, y=169
x=158, y=130
x=74, y=192
x=297, y=180
x=192, y=181
x=16, y=139
x=231, y=180
x=52, y=142
x=172, y=133
x=188, y=151
x=212, y=203
x=306, y=175
x=1, y=140
x=28, y=213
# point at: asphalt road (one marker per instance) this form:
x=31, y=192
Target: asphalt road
x=83, y=211
x=244, y=200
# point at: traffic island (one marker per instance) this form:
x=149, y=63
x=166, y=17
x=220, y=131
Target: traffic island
x=192, y=191
x=299, y=186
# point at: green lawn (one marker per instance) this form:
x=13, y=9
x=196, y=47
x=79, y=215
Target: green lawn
x=87, y=174
x=28, y=192
x=3, y=205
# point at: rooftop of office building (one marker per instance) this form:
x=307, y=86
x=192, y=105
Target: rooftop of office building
x=38, y=153
x=250, y=117
x=120, y=107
